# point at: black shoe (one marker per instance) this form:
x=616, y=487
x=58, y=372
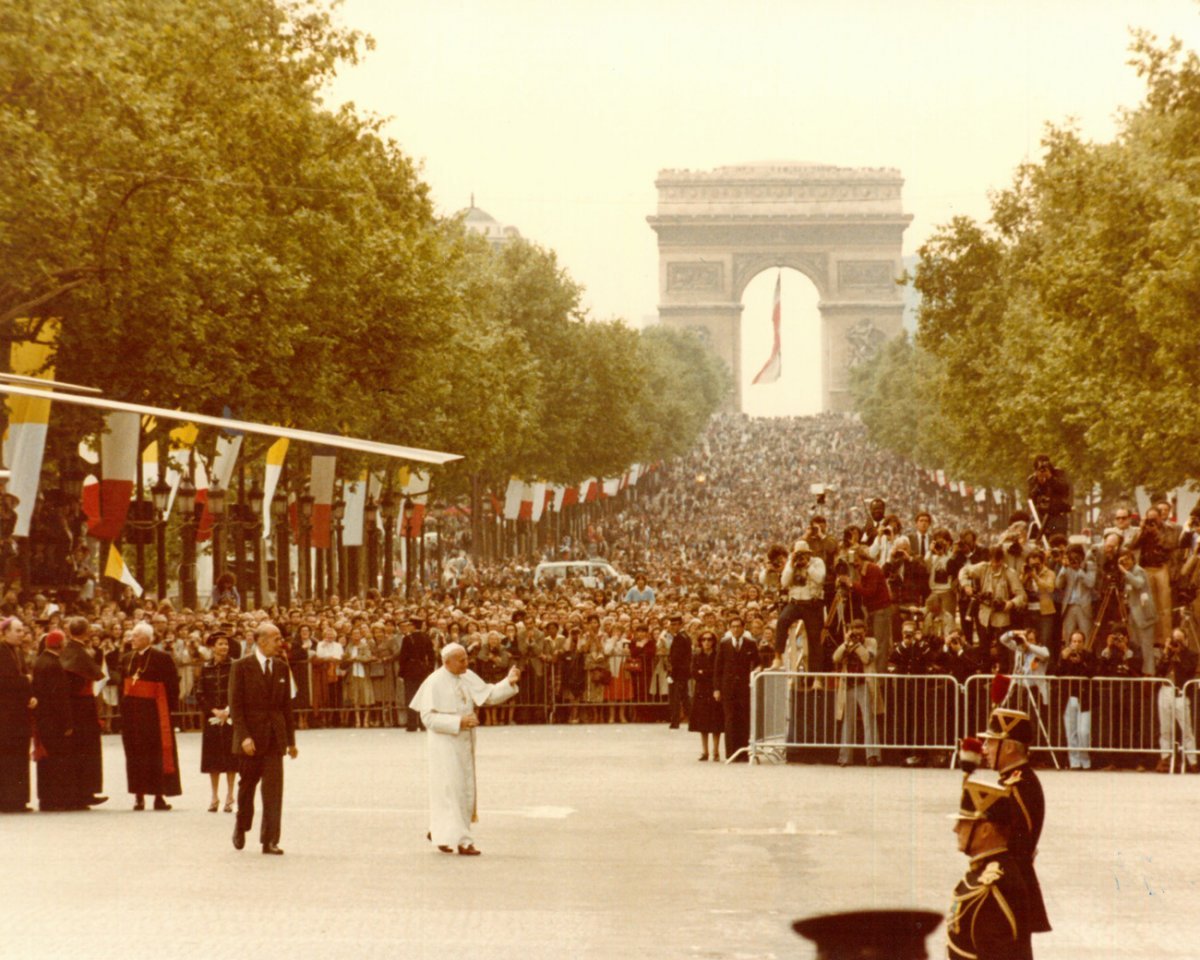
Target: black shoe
x=95, y=801
x=429, y=836
x=468, y=851
x=445, y=849
x=239, y=838
x=139, y=804
x=673, y=726
x=161, y=804
x=273, y=849
x=872, y=761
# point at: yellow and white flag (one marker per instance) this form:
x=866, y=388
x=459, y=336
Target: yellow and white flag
x=28, y=421
x=276, y=454
x=115, y=568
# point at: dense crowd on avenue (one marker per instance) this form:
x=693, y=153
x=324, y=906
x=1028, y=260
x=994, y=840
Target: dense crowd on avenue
x=792, y=545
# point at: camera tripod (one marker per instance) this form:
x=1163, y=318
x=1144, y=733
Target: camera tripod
x=1112, y=596
x=1033, y=696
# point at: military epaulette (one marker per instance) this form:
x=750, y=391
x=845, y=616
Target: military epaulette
x=991, y=873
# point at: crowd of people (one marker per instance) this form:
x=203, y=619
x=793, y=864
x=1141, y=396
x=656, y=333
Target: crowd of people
x=775, y=544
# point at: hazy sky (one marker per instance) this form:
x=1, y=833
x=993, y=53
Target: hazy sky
x=559, y=115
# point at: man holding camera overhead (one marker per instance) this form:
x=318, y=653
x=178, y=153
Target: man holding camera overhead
x=803, y=578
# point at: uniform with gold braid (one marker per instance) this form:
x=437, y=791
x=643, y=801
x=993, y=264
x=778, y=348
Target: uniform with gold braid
x=989, y=915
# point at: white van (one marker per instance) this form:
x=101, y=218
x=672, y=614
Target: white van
x=592, y=574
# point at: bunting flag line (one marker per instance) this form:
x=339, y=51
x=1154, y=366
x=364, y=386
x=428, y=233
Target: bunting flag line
x=115, y=568
x=276, y=454
x=228, y=448
x=512, y=498
x=181, y=440
x=538, y=505
x=774, y=366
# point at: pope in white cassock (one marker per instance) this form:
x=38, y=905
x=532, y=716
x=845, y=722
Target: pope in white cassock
x=447, y=701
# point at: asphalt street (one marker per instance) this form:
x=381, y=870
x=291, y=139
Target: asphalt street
x=598, y=842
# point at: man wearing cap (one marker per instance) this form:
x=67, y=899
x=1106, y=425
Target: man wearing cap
x=52, y=731
x=803, y=578
x=989, y=915
x=1006, y=746
x=679, y=660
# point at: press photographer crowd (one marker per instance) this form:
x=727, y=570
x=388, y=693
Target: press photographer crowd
x=874, y=592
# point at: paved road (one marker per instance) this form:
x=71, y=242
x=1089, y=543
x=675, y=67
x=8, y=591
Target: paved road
x=599, y=842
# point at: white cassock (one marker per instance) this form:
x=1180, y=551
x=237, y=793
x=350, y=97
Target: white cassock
x=443, y=700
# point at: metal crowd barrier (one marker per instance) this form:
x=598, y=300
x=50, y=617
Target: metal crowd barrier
x=326, y=695
x=815, y=716
x=1077, y=723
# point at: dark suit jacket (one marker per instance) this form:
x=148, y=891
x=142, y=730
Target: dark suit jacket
x=416, y=660
x=681, y=657
x=734, y=667
x=260, y=711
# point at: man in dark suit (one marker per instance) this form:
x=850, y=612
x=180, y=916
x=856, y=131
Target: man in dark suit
x=737, y=658
x=680, y=661
x=416, y=662
x=260, y=706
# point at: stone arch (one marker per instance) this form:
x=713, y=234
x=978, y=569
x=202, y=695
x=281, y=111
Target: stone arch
x=840, y=227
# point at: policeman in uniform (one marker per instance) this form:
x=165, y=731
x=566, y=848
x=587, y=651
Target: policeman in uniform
x=989, y=916
x=1006, y=747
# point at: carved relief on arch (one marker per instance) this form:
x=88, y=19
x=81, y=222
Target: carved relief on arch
x=746, y=267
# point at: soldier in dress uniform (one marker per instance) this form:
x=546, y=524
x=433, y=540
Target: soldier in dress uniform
x=989, y=916
x=1006, y=747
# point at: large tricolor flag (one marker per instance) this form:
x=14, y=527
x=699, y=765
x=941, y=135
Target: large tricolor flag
x=28, y=421
x=355, y=497
x=773, y=367
x=119, y=450
x=228, y=448
x=414, y=484
x=324, y=466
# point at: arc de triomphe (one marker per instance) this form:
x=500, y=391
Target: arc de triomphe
x=841, y=227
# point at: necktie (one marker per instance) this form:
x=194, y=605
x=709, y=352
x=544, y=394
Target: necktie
x=267, y=668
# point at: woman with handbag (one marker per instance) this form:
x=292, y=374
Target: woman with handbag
x=706, y=717
x=216, y=736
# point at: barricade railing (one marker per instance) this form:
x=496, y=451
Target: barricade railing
x=626, y=689
x=1182, y=719
x=1078, y=722
x=810, y=715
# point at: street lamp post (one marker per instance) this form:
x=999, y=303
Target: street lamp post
x=187, y=568
x=216, y=507
x=160, y=493
x=406, y=527
x=283, y=548
x=370, y=516
x=337, y=577
x=252, y=521
x=388, y=507
x=306, y=511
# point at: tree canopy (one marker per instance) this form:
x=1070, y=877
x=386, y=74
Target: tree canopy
x=209, y=234
x=1066, y=323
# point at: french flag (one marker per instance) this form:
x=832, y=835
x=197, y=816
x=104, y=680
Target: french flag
x=774, y=366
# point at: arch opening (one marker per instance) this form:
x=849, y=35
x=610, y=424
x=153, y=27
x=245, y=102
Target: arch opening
x=798, y=391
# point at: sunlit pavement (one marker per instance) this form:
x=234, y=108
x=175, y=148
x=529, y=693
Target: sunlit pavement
x=598, y=842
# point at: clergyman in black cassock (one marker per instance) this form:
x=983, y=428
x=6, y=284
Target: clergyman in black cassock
x=15, y=700
x=53, y=741
x=149, y=697
x=82, y=673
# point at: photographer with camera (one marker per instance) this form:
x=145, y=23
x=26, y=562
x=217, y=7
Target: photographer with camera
x=1155, y=545
x=1049, y=491
x=1028, y=667
x=939, y=600
x=855, y=657
x=907, y=576
x=1177, y=665
x=883, y=544
x=1079, y=666
x=869, y=587
x=966, y=550
x=1075, y=582
x=803, y=578
x=1143, y=612
x=1039, y=582
x=1118, y=704
x=998, y=591
x=769, y=578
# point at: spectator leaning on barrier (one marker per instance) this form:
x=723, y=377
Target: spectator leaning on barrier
x=856, y=695
x=1077, y=666
x=1177, y=666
